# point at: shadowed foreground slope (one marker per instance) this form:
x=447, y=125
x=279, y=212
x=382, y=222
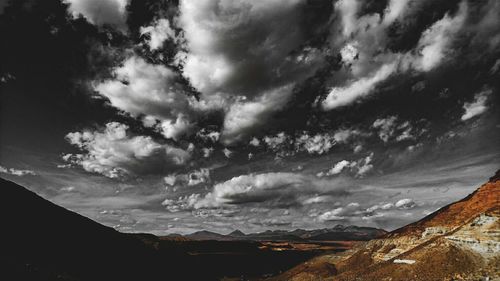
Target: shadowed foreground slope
x=42, y=241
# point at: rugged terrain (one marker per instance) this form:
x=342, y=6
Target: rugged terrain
x=460, y=241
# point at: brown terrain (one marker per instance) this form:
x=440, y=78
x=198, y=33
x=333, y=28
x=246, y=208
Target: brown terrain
x=460, y=241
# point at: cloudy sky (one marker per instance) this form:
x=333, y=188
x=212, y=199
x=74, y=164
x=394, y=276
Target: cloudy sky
x=176, y=116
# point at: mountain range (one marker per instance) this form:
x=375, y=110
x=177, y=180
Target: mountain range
x=336, y=233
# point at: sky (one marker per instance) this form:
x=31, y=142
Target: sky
x=178, y=116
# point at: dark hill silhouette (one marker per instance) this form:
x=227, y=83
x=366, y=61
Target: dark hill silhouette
x=42, y=241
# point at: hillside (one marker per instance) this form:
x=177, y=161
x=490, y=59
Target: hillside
x=40, y=240
x=460, y=241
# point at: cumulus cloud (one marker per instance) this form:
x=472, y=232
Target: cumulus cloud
x=275, y=142
x=379, y=209
x=16, y=172
x=365, y=165
x=174, y=129
x=152, y=90
x=340, y=213
x=386, y=127
x=339, y=166
x=100, y=12
x=406, y=203
x=318, y=144
x=477, y=106
x=254, y=142
x=112, y=152
x=251, y=188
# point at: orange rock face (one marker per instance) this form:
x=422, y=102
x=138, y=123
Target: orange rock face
x=486, y=198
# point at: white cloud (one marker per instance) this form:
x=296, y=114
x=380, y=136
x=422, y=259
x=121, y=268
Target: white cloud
x=275, y=142
x=68, y=189
x=170, y=180
x=383, y=206
x=343, y=135
x=158, y=33
x=173, y=130
x=434, y=43
x=16, y=172
x=228, y=153
x=152, y=90
x=100, y=12
x=348, y=10
x=318, y=144
x=340, y=213
x=341, y=96
x=349, y=52
x=244, y=117
x=250, y=188
x=365, y=165
x=338, y=167
x=254, y=142
x=406, y=203
x=182, y=203
x=386, y=127
x=394, y=10
x=477, y=106
x=113, y=153
x=319, y=199
x=332, y=215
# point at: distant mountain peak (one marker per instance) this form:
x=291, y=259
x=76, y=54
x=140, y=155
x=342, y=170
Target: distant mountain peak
x=237, y=232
